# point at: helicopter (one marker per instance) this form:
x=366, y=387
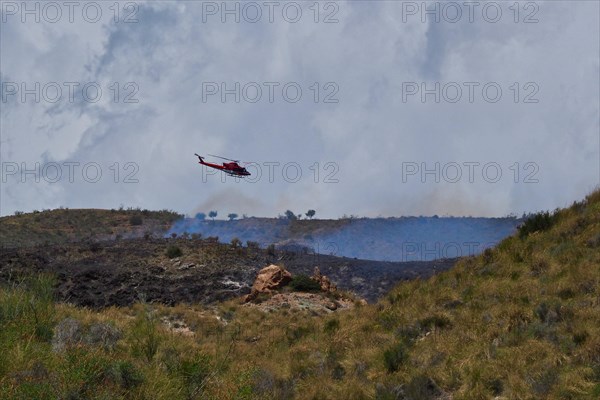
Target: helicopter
x=231, y=168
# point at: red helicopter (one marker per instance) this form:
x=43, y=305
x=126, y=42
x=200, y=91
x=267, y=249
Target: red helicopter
x=231, y=168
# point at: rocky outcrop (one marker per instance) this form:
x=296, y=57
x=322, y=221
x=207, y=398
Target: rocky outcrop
x=326, y=284
x=268, y=279
x=316, y=303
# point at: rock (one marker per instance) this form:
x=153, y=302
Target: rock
x=103, y=335
x=268, y=279
x=252, y=339
x=67, y=334
x=70, y=333
x=326, y=284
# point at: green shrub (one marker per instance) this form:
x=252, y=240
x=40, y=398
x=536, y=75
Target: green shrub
x=422, y=387
x=537, y=222
x=408, y=333
x=303, y=283
x=145, y=334
x=125, y=374
x=331, y=326
x=174, y=251
x=394, y=357
x=195, y=372
x=435, y=321
x=294, y=334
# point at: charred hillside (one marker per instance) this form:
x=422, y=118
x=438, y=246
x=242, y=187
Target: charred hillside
x=171, y=271
x=388, y=239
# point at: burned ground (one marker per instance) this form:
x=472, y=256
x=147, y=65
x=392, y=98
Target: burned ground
x=121, y=272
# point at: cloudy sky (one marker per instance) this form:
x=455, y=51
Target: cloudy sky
x=368, y=108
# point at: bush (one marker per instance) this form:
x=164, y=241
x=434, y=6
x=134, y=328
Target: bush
x=537, y=222
x=174, y=251
x=331, y=326
x=394, y=357
x=136, y=220
x=303, y=283
x=422, y=387
x=435, y=321
x=145, y=335
x=194, y=372
x=235, y=242
x=124, y=374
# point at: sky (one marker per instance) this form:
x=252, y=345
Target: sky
x=379, y=108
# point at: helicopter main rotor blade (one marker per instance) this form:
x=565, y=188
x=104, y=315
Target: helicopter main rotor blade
x=212, y=155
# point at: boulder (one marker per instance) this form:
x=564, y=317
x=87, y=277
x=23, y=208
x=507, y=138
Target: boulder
x=326, y=284
x=268, y=279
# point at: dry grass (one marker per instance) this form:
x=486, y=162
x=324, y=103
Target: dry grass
x=520, y=321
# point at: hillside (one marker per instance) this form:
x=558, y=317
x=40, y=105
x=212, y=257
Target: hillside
x=382, y=239
x=119, y=272
x=521, y=320
x=62, y=226
x=385, y=239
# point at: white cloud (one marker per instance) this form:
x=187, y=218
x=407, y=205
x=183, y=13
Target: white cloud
x=368, y=134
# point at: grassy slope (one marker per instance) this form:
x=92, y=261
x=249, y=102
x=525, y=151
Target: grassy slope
x=519, y=321
x=64, y=225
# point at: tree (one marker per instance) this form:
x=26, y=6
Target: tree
x=201, y=216
x=212, y=215
x=290, y=215
x=232, y=216
x=310, y=213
